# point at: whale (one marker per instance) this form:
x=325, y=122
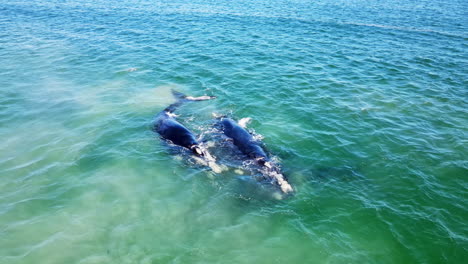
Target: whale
x=255, y=152
x=171, y=130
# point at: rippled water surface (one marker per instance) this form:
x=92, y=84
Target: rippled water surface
x=364, y=103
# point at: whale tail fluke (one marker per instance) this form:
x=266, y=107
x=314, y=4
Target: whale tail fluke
x=178, y=95
x=182, y=98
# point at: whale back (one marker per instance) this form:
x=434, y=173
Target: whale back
x=174, y=131
x=242, y=139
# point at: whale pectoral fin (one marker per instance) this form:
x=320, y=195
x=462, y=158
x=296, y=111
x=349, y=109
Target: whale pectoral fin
x=244, y=121
x=200, y=98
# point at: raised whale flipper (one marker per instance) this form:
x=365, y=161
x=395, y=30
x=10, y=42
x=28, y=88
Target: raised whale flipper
x=182, y=98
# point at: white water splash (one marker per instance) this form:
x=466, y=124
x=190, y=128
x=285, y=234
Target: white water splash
x=244, y=121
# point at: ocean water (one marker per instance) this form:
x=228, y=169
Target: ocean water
x=363, y=102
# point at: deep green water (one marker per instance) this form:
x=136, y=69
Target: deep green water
x=364, y=103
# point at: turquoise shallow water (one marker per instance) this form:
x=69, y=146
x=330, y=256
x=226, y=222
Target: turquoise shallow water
x=364, y=103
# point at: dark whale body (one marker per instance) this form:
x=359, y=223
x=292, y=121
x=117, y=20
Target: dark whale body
x=250, y=147
x=243, y=139
x=170, y=129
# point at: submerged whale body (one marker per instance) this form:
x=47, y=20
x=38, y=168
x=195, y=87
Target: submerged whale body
x=250, y=147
